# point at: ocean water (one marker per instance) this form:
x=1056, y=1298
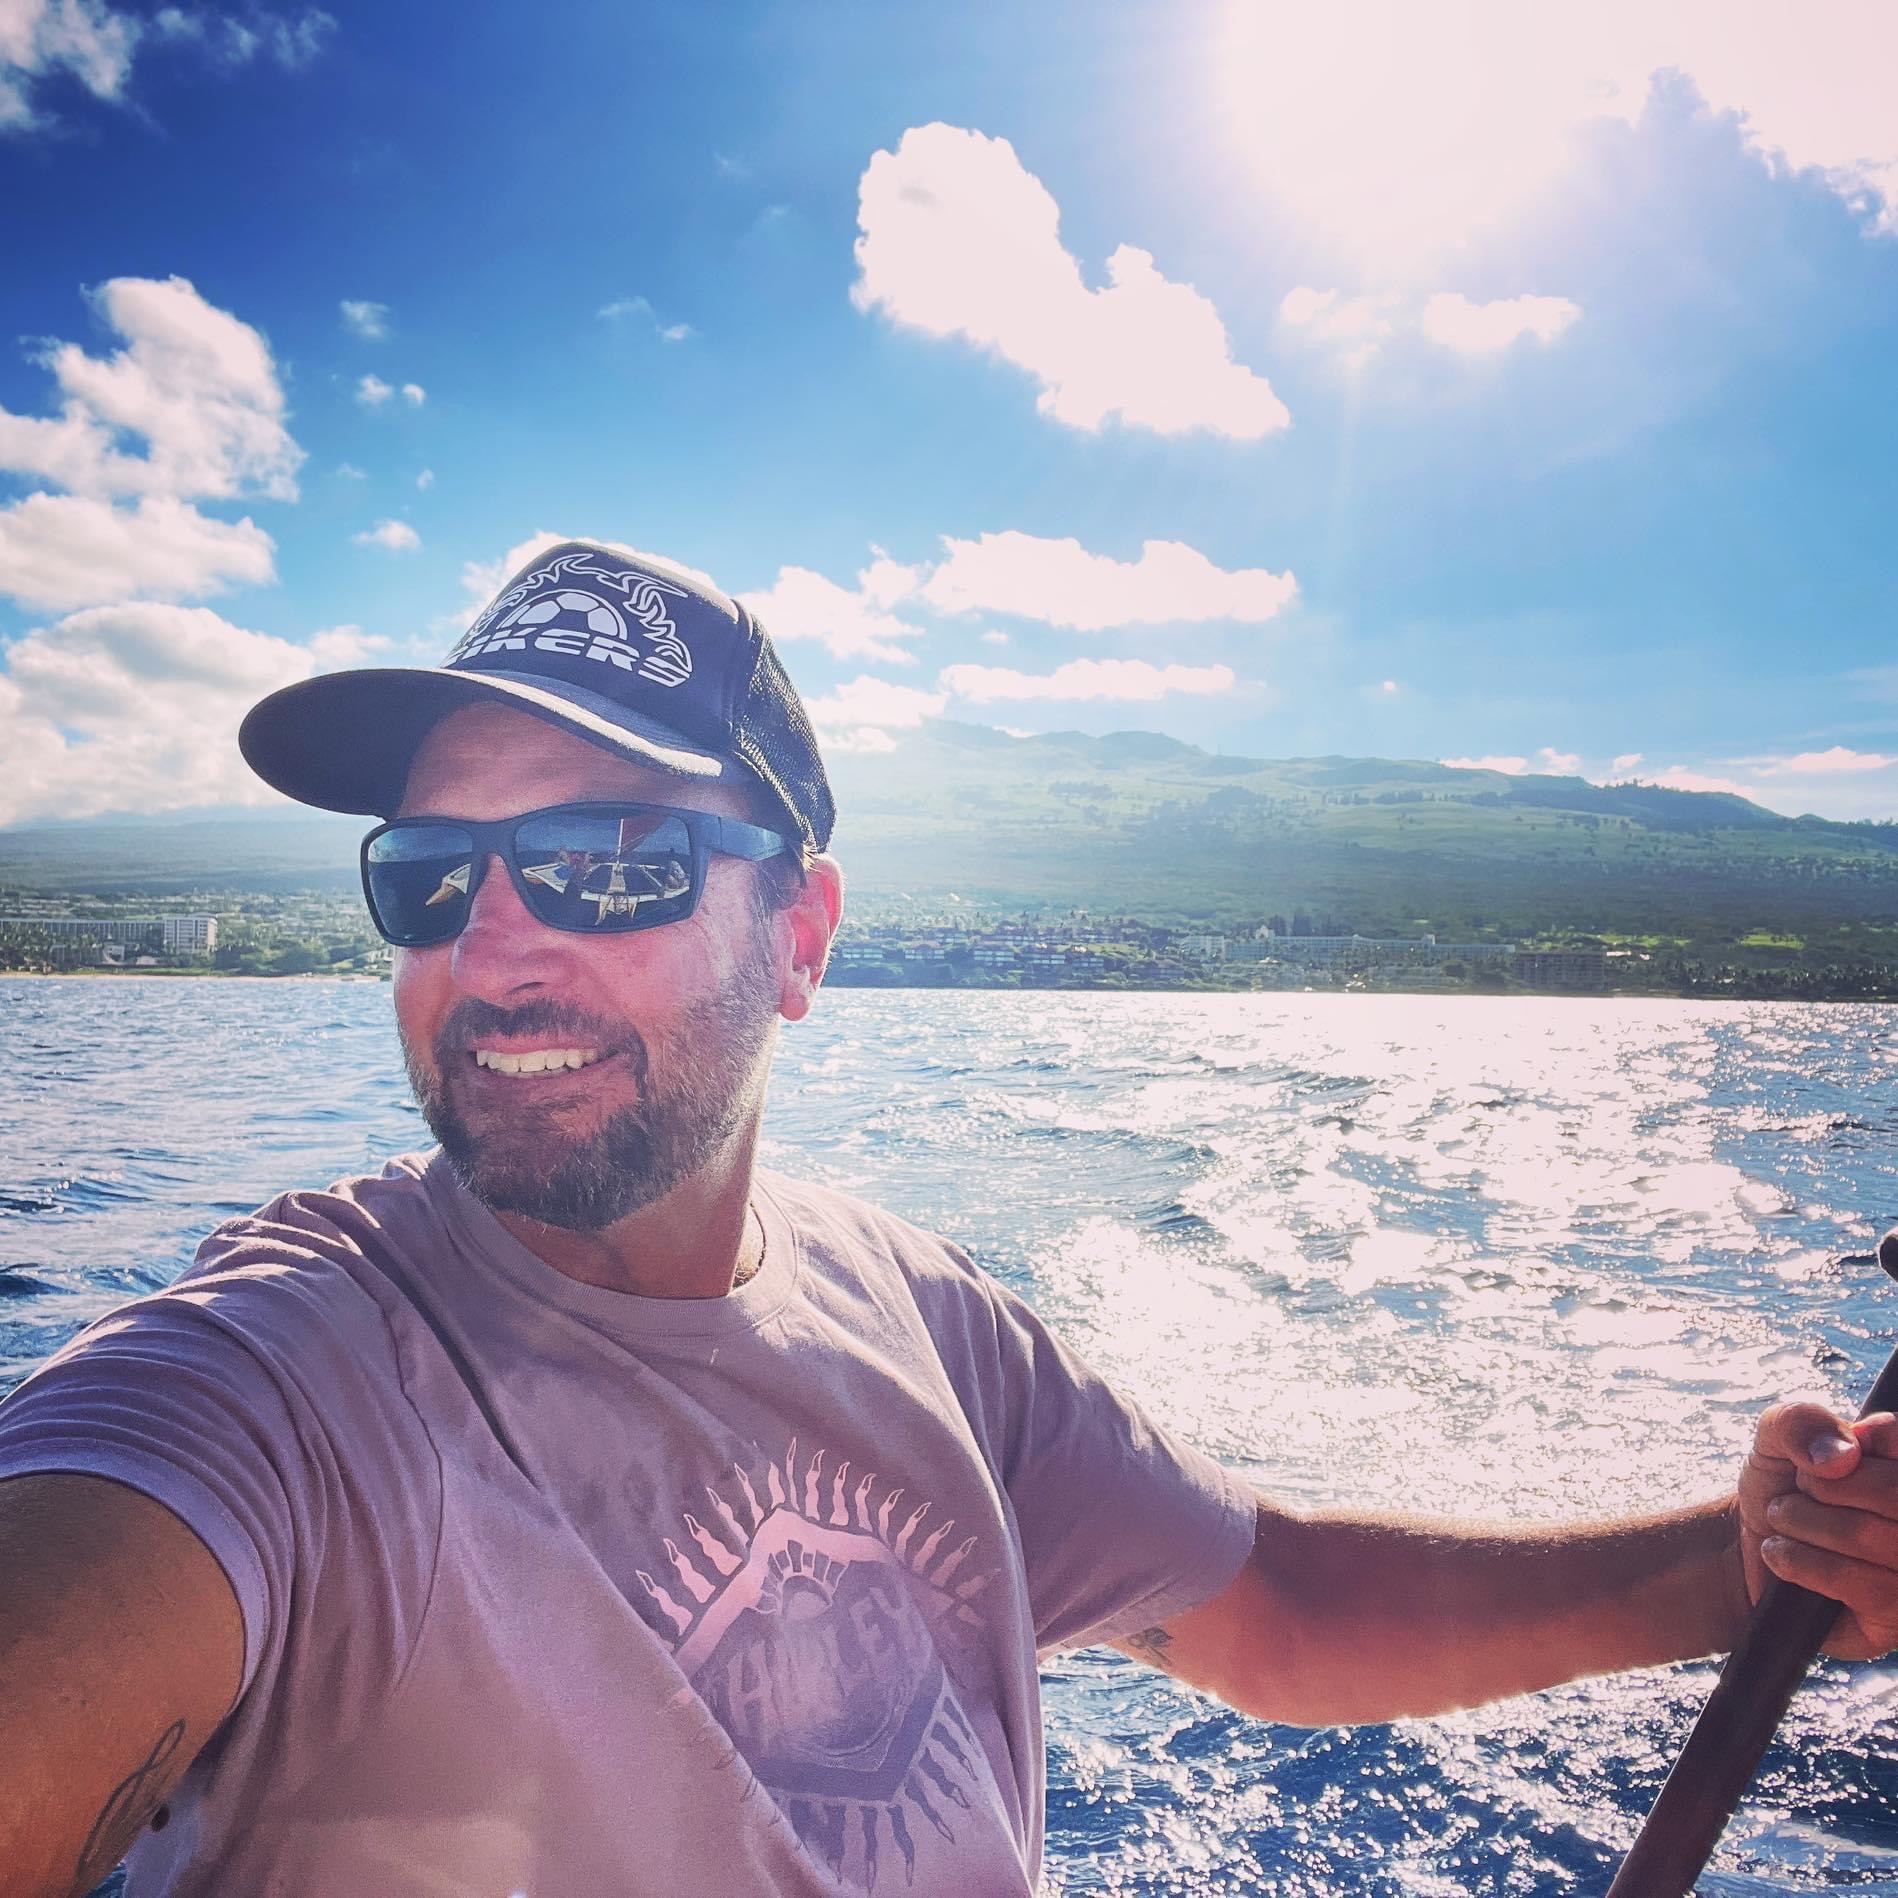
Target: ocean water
x=1524, y=1259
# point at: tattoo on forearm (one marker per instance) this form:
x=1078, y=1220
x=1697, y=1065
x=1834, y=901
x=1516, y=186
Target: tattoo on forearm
x=1153, y=1646
x=134, y=1800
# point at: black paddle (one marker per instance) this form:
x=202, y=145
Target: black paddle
x=1788, y=1627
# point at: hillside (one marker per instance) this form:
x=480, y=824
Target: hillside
x=1144, y=824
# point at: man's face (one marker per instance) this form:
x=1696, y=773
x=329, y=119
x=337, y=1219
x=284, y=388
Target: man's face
x=674, y=1025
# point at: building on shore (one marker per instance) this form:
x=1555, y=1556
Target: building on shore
x=1363, y=952
x=1561, y=968
x=1204, y=948
x=173, y=935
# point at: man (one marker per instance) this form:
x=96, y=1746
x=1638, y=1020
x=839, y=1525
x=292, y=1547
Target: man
x=578, y=1509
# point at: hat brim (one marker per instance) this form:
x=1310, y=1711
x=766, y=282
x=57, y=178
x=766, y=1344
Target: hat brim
x=344, y=741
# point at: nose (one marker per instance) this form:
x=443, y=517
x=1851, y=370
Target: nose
x=502, y=953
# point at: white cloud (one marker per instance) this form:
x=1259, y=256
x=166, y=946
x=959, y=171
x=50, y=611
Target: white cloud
x=398, y=536
x=66, y=550
x=1061, y=584
x=994, y=638
x=960, y=239
x=863, y=738
x=366, y=318
x=93, y=45
x=870, y=701
x=200, y=389
x=861, y=715
x=135, y=707
x=196, y=383
x=885, y=581
x=1472, y=328
x=1358, y=327
x=1400, y=132
x=640, y=306
x=289, y=42
x=1124, y=679
x=1837, y=783
x=79, y=40
x=426, y=479
x=1625, y=763
x=1388, y=686
x=848, y=622
x=1355, y=326
x=481, y=580
x=1679, y=777
x=348, y=471
x=1509, y=766
x=338, y=646
x=372, y=392
x=1559, y=764
x=1823, y=763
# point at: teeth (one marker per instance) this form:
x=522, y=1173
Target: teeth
x=535, y=1061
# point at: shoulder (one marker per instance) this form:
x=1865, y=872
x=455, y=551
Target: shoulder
x=349, y=1218
x=306, y=1269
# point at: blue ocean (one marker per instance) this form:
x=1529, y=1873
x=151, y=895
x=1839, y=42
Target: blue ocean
x=1522, y=1259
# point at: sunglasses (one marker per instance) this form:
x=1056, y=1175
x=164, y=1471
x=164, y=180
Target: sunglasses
x=594, y=869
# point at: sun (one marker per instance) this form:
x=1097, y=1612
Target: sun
x=1397, y=132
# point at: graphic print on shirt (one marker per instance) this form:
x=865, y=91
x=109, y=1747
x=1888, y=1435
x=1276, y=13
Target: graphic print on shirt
x=810, y=1610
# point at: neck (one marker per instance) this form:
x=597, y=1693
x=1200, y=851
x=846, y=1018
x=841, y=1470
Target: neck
x=699, y=1241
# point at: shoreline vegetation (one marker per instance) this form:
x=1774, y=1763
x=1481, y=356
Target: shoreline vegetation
x=990, y=947
x=1132, y=861
x=1698, y=984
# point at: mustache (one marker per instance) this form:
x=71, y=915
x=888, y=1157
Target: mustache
x=472, y=1020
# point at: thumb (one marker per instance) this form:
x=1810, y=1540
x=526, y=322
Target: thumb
x=1809, y=1436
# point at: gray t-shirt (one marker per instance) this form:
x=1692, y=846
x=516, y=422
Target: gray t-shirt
x=555, y=1591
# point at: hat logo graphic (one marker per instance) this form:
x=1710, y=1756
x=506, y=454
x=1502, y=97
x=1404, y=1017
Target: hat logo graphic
x=580, y=608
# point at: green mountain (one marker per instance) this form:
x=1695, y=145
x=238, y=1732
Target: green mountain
x=1142, y=824
x=1145, y=824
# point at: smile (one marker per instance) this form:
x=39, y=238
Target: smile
x=535, y=1060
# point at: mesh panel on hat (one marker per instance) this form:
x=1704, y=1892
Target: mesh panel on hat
x=772, y=733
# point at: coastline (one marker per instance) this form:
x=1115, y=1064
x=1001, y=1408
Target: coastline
x=1519, y=992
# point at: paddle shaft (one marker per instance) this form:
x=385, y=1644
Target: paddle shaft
x=1788, y=1627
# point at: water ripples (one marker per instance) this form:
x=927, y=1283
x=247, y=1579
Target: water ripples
x=1519, y=1259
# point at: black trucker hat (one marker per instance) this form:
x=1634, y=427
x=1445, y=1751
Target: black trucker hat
x=638, y=655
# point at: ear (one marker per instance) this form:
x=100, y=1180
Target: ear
x=812, y=921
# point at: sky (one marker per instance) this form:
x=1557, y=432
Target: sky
x=1438, y=379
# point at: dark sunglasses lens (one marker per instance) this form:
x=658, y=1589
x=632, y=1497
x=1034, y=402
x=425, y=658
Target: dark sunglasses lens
x=417, y=877
x=614, y=870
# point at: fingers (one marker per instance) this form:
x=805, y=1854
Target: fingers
x=1865, y=1588
x=1859, y=1533
x=1810, y=1437
x=1872, y=1469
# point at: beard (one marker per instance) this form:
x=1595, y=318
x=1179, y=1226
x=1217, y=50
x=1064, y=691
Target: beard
x=709, y=1081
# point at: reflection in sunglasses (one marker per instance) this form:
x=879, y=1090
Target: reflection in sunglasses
x=610, y=897
x=454, y=884
x=558, y=874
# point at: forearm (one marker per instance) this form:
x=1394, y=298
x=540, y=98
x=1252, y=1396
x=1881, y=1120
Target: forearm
x=1375, y=1618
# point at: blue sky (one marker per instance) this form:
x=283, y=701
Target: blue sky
x=1452, y=381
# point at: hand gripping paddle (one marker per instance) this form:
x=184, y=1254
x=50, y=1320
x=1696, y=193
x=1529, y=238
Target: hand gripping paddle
x=1787, y=1629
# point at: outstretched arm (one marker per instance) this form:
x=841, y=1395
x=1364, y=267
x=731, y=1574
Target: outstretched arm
x=1344, y=1619
x=121, y=1649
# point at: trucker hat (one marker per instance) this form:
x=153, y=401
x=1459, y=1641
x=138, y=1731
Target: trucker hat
x=642, y=657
